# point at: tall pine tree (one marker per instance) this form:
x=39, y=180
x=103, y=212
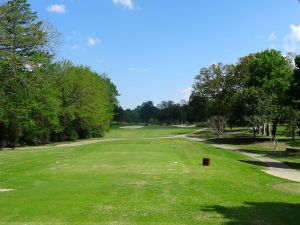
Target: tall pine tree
x=28, y=101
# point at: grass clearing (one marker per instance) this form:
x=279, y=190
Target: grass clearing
x=159, y=181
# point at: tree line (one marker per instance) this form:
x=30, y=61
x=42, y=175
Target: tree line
x=260, y=90
x=43, y=100
x=167, y=112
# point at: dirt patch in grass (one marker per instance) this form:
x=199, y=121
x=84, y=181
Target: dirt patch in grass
x=137, y=183
x=105, y=207
x=292, y=188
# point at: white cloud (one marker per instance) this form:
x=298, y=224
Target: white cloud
x=291, y=41
x=273, y=46
x=139, y=70
x=126, y=3
x=93, y=41
x=272, y=39
x=185, y=92
x=272, y=36
x=74, y=47
x=73, y=35
x=57, y=8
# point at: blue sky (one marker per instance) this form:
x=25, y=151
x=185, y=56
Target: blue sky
x=152, y=49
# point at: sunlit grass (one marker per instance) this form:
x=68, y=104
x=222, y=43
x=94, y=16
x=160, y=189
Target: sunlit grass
x=157, y=181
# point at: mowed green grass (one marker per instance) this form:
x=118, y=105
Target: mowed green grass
x=148, y=132
x=158, y=181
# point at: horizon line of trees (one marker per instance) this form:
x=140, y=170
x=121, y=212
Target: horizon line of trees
x=41, y=100
x=166, y=112
x=261, y=91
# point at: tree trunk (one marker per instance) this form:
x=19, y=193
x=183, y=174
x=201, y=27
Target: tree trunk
x=254, y=134
x=293, y=133
x=274, y=129
x=268, y=129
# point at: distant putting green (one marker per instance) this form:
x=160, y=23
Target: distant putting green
x=155, y=181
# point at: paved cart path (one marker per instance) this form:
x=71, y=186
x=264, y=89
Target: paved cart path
x=273, y=167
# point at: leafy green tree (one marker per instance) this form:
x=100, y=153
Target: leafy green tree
x=271, y=72
x=295, y=87
x=252, y=106
x=147, y=111
x=293, y=115
x=183, y=111
x=215, y=86
x=237, y=107
x=24, y=59
x=242, y=70
x=170, y=112
x=119, y=115
x=87, y=102
x=293, y=123
x=132, y=116
x=41, y=101
x=23, y=38
x=197, y=108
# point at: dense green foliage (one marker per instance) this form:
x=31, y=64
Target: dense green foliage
x=258, y=91
x=167, y=112
x=87, y=102
x=41, y=100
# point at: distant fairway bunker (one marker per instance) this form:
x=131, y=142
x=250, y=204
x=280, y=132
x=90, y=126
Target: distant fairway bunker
x=184, y=126
x=6, y=190
x=132, y=127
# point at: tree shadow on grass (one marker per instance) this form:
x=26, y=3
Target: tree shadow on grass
x=286, y=165
x=293, y=165
x=231, y=141
x=239, y=140
x=249, y=141
x=295, y=143
x=241, y=129
x=273, y=154
x=259, y=213
x=258, y=163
